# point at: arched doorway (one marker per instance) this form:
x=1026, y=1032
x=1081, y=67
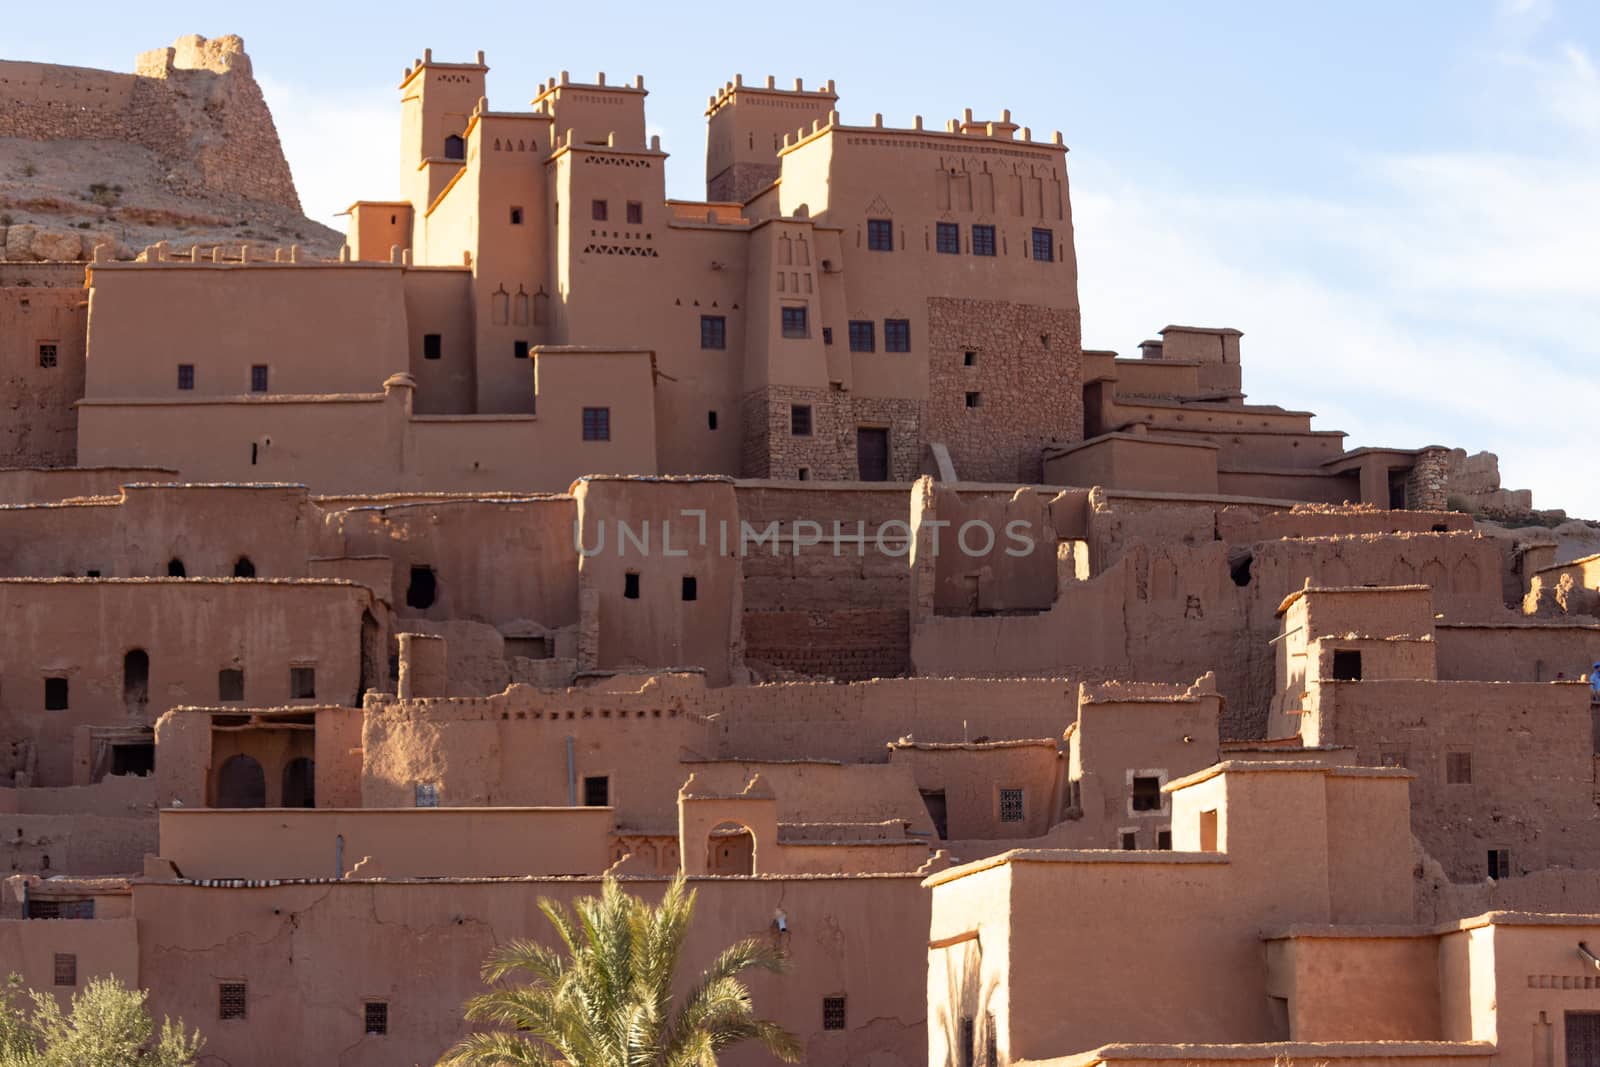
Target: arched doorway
x=731, y=849
x=241, y=783
x=136, y=681
x=299, y=783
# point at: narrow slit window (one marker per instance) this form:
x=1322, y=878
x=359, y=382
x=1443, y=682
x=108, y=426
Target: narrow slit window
x=630, y=585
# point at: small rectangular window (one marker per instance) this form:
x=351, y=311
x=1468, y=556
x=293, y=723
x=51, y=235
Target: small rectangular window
x=1346, y=665
x=427, y=794
x=713, y=331
x=794, y=322
x=827, y=335
x=1011, y=805
x=1458, y=768
x=833, y=1013
x=1130, y=840
x=800, y=420
x=597, y=791
x=863, y=335
x=302, y=683
x=691, y=587
x=969, y=359
x=519, y=350
x=597, y=210
x=231, y=1002
x=516, y=216
x=66, y=968
x=432, y=345
x=947, y=239
x=47, y=353
x=635, y=213
x=258, y=378
x=711, y=420
x=1499, y=863
x=55, y=694
x=597, y=424
x=1164, y=840
x=186, y=376
x=230, y=684
x=1146, y=794
x=983, y=240
x=1044, y=244
x=630, y=585
x=880, y=235
x=897, y=335
x=376, y=1014
x=974, y=400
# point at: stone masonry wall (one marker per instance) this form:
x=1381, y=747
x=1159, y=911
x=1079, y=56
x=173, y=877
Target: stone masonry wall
x=1428, y=483
x=1028, y=373
x=196, y=104
x=829, y=453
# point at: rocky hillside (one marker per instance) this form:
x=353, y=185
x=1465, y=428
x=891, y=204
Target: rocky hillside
x=183, y=150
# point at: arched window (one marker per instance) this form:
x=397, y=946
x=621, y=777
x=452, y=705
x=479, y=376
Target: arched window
x=299, y=778
x=136, y=681
x=243, y=568
x=241, y=783
x=175, y=568
x=455, y=147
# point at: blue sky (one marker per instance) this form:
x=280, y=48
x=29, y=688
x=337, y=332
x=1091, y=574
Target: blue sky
x=1398, y=204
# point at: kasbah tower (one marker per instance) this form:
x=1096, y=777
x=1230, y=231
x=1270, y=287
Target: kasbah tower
x=1044, y=705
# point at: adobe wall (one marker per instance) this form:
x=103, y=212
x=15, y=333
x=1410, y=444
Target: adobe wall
x=310, y=961
x=820, y=597
x=1508, y=652
x=1531, y=773
x=511, y=749
x=658, y=568
x=82, y=629
x=35, y=485
x=970, y=777
x=140, y=529
x=195, y=104
x=101, y=947
x=512, y=563
x=856, y=722
x=442, y=842
x=39, y=326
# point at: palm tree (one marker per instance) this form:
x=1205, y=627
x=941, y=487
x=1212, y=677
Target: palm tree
x=606, y=1001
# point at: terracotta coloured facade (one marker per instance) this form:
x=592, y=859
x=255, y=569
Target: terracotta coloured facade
x=1046, y=706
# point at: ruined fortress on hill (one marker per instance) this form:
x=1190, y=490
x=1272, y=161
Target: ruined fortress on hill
x=1045, y=705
